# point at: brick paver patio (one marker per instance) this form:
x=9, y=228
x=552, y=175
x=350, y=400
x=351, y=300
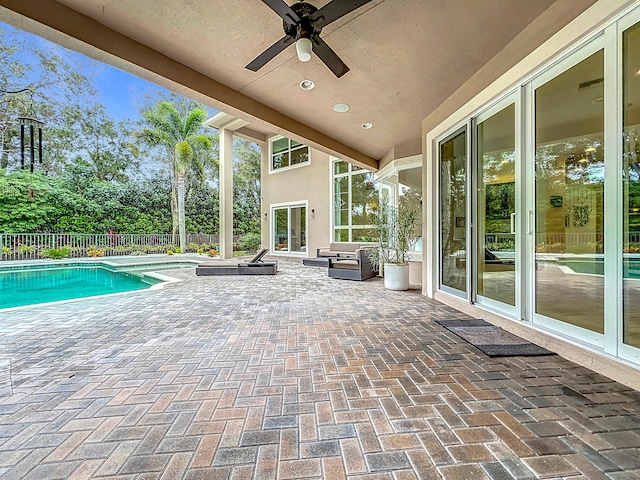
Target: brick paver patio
x=290, y=377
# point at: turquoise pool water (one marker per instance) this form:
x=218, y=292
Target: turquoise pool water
x=34, y=285
x=595, y=266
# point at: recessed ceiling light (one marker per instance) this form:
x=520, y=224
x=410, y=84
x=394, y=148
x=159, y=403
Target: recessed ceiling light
x=307, y=84
x=367, y=125
x=341, y=107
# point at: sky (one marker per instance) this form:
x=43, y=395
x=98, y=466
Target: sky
x=120, y=92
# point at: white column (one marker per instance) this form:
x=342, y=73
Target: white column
x=226, y=193
x=266, y=221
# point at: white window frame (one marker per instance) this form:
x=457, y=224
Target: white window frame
x=349, y=174
x=289, y=150
x=389, y=177
x=288, y=205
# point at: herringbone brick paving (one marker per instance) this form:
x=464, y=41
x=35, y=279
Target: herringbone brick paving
x=290, y=377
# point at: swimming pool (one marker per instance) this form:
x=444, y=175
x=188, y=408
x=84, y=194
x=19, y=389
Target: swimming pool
x=28, y=285
x=595, y=266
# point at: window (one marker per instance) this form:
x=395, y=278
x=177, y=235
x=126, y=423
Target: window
x=287, y=153
x=410, y=194
x=401, y=183
x=355, y=197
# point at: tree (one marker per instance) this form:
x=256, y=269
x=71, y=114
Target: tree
x=246, y=187
x=48, y=80
x=184, y=143
x=107, y=144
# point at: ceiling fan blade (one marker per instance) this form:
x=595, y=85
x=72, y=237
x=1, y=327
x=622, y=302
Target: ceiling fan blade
x=289, y=16
x=333, y=11
x=328, y=56
x=262, y=59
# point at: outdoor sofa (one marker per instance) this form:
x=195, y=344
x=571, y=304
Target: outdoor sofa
x=358, y=267
x=255, y=266
x=335, y=250
x=342, y=249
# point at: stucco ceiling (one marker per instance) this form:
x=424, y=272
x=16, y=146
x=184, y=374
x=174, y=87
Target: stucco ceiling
x=406, y=56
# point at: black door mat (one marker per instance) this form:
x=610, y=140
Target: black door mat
x=492, y=340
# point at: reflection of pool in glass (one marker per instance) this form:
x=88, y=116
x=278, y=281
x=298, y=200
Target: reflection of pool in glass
x=34, y=285
x=595, y=266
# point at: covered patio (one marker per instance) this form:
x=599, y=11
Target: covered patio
x=293, y=376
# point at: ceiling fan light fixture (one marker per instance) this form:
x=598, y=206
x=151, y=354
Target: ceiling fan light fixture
x=303, y=48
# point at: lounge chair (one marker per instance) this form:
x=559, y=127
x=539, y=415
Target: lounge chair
x=255, y=266
x=493, y=263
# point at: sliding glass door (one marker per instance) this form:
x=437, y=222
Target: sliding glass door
x=539, y=210
x=569, y=196
x=453, y=213
x=289, y=229
x=631, y=187
x=496, y=193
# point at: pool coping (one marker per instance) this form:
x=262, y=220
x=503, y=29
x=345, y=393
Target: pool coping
x=109, y=262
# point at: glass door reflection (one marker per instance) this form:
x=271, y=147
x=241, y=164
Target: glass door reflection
x=496, y=203
x=298, y=230
x=453, y=213
x=631, y=185
x=569, y=196
x=281, y=229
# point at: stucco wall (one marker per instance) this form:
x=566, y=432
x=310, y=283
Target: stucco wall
x=310, y=183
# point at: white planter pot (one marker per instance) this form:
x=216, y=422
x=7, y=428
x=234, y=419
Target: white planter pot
x=396, y=277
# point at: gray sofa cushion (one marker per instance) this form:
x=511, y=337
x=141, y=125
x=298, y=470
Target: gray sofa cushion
x=342, y=249
x=346, y=264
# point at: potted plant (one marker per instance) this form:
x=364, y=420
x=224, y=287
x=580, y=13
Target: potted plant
x=398, y=231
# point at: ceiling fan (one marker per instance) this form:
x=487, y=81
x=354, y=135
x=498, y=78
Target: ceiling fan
x=302, y=24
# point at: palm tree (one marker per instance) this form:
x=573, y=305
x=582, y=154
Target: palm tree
x=179, y=137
